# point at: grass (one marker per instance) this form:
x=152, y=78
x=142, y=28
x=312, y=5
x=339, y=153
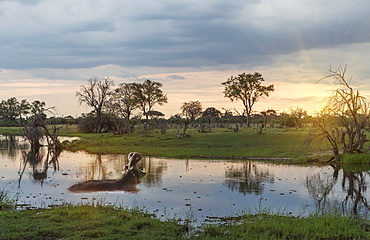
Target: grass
x=86, y=222
x=11, y=131
x=356, y=158
x=221, y=143
x=270, y=226
x=108, y=222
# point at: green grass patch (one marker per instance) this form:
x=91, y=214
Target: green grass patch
x=107, y=222
x=11, y=131
x=220, y=143
x=299, y=146
x=86, y=222
x=356, y=158
x=267, y=226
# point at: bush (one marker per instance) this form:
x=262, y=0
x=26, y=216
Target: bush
x=110, y=123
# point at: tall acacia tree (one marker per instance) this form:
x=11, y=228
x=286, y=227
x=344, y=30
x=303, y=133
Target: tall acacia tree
x=148, y=94
x=247, y=88
x=95, y=94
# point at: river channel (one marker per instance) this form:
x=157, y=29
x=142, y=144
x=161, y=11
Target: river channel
x=202, y=190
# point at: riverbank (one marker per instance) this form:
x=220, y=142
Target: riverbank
x=107, y=222
x=273, y=144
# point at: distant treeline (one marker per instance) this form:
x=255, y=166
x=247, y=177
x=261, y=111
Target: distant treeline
x=14, y=113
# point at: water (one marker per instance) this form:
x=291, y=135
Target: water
x=199, y=189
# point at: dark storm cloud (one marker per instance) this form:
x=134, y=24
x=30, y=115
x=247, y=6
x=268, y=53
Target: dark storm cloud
x=66, y=34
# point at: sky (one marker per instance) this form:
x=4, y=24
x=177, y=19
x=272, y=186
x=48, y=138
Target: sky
x=49, y=48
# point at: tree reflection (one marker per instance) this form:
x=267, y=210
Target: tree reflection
x=154, y=173
x=39, y=159
x=97, y=170
x=248, y=178
x=353, y=183
x=10, y=145
x=100, y=169
x=319, y=186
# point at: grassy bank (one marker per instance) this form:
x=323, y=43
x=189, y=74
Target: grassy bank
x=105, y=222
x=220, y=143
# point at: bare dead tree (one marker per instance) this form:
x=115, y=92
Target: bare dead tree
x=95, y=94
x=344, y=118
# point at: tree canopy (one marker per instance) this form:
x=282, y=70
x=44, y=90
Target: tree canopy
x=191, y=110
x=247, y=88
x=148, y=94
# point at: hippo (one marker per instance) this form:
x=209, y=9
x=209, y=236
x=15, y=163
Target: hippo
x=127, y=182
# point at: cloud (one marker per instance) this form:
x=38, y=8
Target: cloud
x=190, y=46
x=175, y=77
x=63, y=34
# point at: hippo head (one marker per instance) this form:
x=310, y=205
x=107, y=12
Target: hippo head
x=133, y=158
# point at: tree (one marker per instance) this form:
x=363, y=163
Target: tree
x=211, y=113
x=14, y=112
x=96, y=94
x=191, y=110
x=155, y=114
x=38, y=127
x=248, y=89
x=148, y=94
x=123, y=102
x=270, y=113
x=23, y=109
x=298, y=114
x=345, y=116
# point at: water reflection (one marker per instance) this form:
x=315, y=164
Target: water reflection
x=353, y=184
x=155, y=170
x=10, y=145
x=105, y=167
x=248, y=178
x=203, y=187
x=127, y=182
x=39, y=160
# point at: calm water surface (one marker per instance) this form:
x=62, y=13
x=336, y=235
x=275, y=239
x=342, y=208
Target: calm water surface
x=202, y=189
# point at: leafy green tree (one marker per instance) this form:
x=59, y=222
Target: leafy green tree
x=148, y=94
x=298, y=115
x=8, y=109
x=211, y=114
x=12, y=111
x=38, y=107
x=247, y=88
x=123, y=102
x=191, y=110
x=24, y=108
x=155, y=114
x=95, y=94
